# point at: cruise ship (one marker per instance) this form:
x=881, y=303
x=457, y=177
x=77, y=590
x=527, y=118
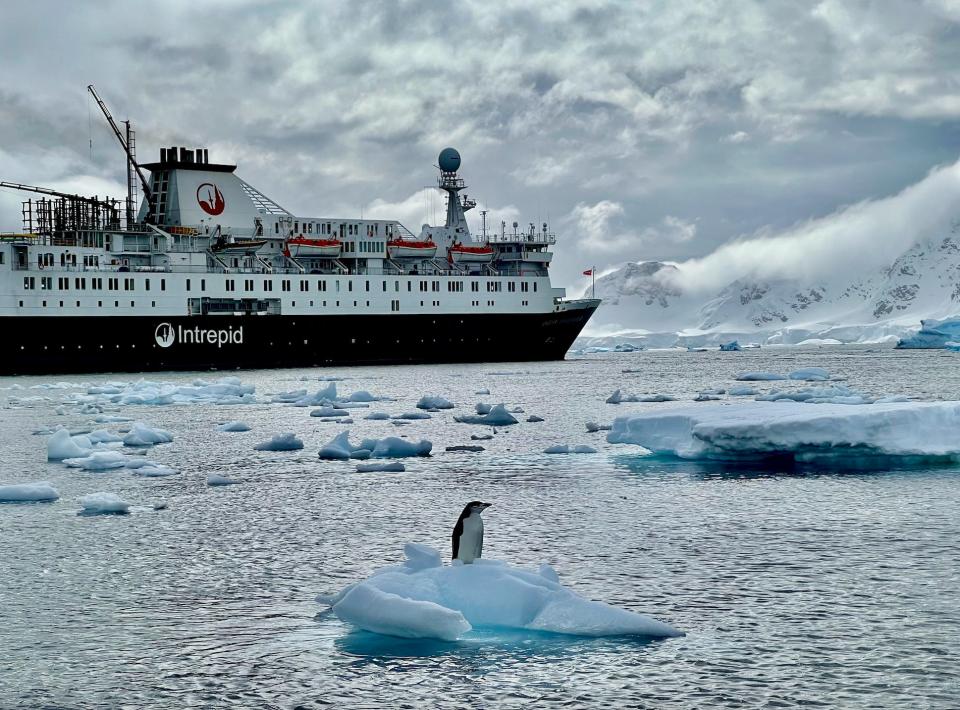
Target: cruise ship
x=206, y=272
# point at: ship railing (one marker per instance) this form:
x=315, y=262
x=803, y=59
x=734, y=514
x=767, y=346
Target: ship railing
x=522, y=238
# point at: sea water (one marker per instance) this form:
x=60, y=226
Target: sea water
x=795, y=586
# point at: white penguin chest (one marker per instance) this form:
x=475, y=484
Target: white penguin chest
x=471, y=539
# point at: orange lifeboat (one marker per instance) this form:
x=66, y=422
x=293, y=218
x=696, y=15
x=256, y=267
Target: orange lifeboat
x=410, y=249
x=316, y=248
x=471, y=254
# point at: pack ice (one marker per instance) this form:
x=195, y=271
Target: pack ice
x=421, y=598
x=796, y=430
x=227, y=390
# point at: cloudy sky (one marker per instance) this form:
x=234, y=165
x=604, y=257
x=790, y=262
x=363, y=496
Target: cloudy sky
x=640, y=130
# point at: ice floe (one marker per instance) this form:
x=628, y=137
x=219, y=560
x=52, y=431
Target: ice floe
x=281, y=442
x=496, y=416
x=385, y=466
x=434, y=402
x=413, y=415
x=567, y=449
x=810, y=374
x=36, y=492
x=759, y=377
x=422, y=598
x=823, y=394
x=377, y=416
x=234, y=427
x=142, y=435
x=329, y=412
x=215, y=479
x=153, y=470
x=797, y=431
x=227, y=390
x=619, y=397
x=103, y=503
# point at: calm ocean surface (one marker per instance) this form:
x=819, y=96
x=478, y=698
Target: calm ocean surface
x=809, y=587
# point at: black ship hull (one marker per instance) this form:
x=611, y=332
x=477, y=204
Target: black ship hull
x=48, y=345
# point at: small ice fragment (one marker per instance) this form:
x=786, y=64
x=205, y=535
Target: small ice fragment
x=98, y=461
x=152, y=470
x=103, y=503
x=413, y=415
x=142, y=435
x=434, y=402
x=338, y=448
x=615, y=398
x=234, y=426
x=704, y=397
x=463, y=447
x=393, y=447
x=567, y=449
x=497, y=416
x=758, y=377
x=36, y=492
x=160, y=505
x=481, y=437
x=377, y=416
x=742, y=391
x=533, y=418
x=63, y=446
x=810, y=374
x=482, y=408
x=386, y=466
x=483, y=391
x=281, y=442
x=329, y=412
x=215, y=479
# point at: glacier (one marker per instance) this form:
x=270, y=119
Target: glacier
x=797, y=430
x=422, y=598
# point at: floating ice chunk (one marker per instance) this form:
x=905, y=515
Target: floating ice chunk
x=742, y=391
x=103, y=503
x=142, y=435
x=345, y=420
x=111, y=419
x=338, y=448
x=483, y=391
x=329, y=412
x=654, y=398
x=98, y=461
x=36, y=492
x=482, y=408
x=377, y=416
x=360, y=454
x=413, y=415
x=461, y=447
x=732, y=347
x=226, y=390
x=288, y=397
x=497, y=416
x=626, y=348
x=234, y=426
x=594, y=427
x=713, y=390
x=810, y=374
x=393, y=447
x=281, y=442
x=362, y=396
x=481, y=437
x=797, y=431
x=299, y=398
x=389, y=467
x=615, y=398
x=215, y=479
x=703, y=397
x=567, y=449
x=63, y=446
x=154, y=470
x=517, y=410
x=533, y=418
x=160, y=505
x=423, y=599
x=434, y=402
x=824, y=394
x=758, y=376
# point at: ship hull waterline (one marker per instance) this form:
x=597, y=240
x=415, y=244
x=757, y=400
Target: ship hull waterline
x=91, y=344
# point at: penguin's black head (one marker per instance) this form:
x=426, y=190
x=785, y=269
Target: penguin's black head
x=475, y=506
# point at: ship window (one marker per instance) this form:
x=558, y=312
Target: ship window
x=46, y=283
x=396, y=285
x=131, y=304
x=304, y=285
x=310, y=228
x=296, y=226
x=99, y=304
x=153, y=304
x=409, y=285
x=534, y=285
x=146, y=284
x=203, y=284
x=349, y=285
x=367, y=285
x=474, y=286
x=188, y=284
x=384, y=286
x=276, y=228
x=163, y=284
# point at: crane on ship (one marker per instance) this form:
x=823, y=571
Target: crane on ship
x=127, y=143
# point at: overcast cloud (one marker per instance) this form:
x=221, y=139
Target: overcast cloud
x=657, y=130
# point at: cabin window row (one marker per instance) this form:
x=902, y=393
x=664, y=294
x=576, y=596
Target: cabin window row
x=80, y=283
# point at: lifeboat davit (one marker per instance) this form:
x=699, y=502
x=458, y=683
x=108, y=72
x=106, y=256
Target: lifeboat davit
x=410, y=249
x=317, y=248
x=471, y=254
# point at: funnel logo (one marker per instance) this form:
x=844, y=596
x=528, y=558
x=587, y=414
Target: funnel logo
x=165, y=335
x=210, y=198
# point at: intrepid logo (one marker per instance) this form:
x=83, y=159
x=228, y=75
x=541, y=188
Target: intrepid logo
x=210, y=198
x=167, y=334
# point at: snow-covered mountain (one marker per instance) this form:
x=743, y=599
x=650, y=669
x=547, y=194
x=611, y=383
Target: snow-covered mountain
x=657, y=304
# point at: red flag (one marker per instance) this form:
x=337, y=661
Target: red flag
x=588, y=272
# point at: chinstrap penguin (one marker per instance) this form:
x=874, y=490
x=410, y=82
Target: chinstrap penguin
x=468, y=532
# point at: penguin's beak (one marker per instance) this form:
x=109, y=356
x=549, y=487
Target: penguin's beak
x=487, y=505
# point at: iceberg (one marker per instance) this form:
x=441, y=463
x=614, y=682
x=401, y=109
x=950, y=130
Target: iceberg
x=142, y=435
x=759, y=377
x=62, y=446
x=422, y=598
x=497, y=416
x=233, y=426
x=37, y=492
x=103, y=503
x=281, y=442
x=796, y=431
x=933, y=334
x=389, y=467
x=434, y=402
x=732, y=347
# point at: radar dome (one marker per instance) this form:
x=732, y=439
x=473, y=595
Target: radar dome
x=449, y=160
